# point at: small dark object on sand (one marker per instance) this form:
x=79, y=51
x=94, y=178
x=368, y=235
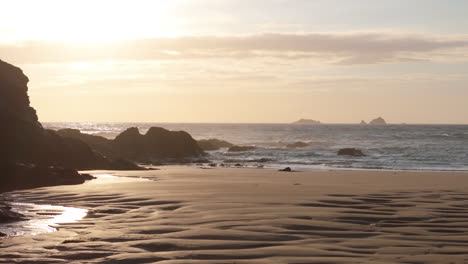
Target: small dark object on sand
x=238, y=165
x=287, y=169
x=2, y=234
x=351, y=152
x=213, y=165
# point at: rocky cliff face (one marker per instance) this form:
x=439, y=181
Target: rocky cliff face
x=24, y=141
x=14, y=100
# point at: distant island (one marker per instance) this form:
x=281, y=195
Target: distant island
x=378, y=121
x=307, y=122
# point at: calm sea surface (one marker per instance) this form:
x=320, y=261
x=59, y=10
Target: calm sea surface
x=403, y=147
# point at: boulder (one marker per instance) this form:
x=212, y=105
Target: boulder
x=298, y=144
x=213, y=144
x=287, y=169
x=378, y=121
x=241, y=148
x=351, y=152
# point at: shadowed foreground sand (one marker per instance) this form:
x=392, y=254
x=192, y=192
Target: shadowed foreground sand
x=193, y=215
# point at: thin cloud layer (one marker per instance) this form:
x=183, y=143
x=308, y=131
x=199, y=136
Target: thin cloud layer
x=338, y=48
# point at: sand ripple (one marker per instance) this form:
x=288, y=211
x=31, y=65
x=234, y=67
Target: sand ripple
x=162, y=223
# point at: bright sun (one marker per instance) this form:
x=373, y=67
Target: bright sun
x=89, y=21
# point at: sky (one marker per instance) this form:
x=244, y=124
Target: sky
x=235, y=61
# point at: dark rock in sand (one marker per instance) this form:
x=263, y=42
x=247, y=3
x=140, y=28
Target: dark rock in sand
x=351, y=152
x=7, y=215
x=378, y=121
x=241, y=148
x=213, y=144
x=287, y=169
x=2, y=234
x=298, y=144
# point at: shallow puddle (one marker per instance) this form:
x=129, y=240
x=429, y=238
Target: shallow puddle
x=40, y=218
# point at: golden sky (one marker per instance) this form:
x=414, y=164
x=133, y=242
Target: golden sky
x=241, y=61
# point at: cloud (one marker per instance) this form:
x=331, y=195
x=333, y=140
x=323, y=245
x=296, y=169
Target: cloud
x=334, y=48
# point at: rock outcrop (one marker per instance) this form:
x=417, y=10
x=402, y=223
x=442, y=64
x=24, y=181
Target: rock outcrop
x=351, y=152
x=22, y=137
x=31, y=156
x=213, y=144
x=307, y=122
x=241, y=148
x=363, y=122
x=378, y=121
x=26, y=176
x=157, y=144
x=298, y=144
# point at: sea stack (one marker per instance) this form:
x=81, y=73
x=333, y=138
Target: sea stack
x=378, y=121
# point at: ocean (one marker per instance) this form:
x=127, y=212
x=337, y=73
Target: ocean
x=388, y=147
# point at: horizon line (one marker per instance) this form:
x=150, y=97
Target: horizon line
x=257, y=123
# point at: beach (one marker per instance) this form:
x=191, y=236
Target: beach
x=182, y=214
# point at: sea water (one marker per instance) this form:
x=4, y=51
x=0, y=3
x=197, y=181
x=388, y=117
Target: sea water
x=400, y=147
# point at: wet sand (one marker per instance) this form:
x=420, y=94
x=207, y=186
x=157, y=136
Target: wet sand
x=193, y=215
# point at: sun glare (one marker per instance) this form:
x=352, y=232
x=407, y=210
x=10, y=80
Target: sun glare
x=92, y=21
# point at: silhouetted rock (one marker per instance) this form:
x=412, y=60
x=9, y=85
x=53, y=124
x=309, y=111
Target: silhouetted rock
x=287, y=169
x=307, y=122
x=24, y=141
x=157, y=144
x=378, y=121
x=241, y=148
x=298, y=144
x=363, y=122
x=213, y=144
x=86, y=138
x=351, y=152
